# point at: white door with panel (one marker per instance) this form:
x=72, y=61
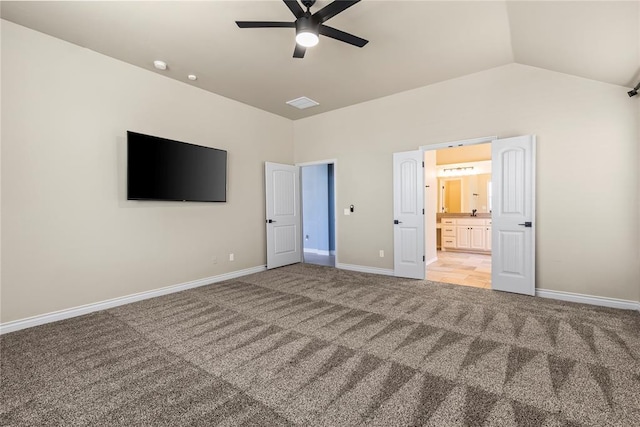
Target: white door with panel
x=513, y=215
x=282, y=190
x=408, y=215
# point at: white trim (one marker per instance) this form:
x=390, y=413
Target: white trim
x=451, y=144
x=431, y=261
x=41, y=319
x=589, y=299
x=318, y=162
x=318, y=251
x=364, y=269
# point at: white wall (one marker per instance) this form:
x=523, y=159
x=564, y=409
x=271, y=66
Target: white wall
x=69, y=236
x=587, y=166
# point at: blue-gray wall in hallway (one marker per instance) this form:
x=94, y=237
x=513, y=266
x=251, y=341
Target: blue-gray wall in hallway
x=318, y=218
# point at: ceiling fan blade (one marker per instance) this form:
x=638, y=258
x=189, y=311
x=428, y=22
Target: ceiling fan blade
x=294, y=7
x=299, y=51
x=332, y=9
x=262, y=24
x=342, y=36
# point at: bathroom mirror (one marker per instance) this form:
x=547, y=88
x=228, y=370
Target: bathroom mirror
x=462, y=194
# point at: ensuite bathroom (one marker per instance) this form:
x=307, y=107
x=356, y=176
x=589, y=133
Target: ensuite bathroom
x=462, y=198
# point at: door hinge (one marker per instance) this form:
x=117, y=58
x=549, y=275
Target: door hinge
x=422, y=211
x=423, y=164
x=423, y=258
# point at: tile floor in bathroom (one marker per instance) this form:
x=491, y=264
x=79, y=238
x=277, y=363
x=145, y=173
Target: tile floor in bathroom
x=461, y=268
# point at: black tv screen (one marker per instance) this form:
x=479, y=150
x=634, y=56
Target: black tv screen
x=162, y=169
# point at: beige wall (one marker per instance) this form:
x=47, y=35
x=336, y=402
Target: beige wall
x=470, y=153
x=69, y=236
x=587, y=166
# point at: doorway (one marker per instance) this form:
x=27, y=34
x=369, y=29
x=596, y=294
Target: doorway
x=458, y=227
x=318, y=213
x=508, y=232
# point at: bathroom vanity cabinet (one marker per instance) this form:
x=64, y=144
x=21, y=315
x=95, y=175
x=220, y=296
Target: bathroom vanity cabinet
x=466, y=234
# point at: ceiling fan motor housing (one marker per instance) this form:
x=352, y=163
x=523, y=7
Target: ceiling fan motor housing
x=307, y=24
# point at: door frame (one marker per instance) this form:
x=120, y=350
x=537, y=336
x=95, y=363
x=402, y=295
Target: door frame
x=333, y=162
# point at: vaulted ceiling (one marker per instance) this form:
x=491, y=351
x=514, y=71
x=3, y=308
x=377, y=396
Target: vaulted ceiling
x=412, y=44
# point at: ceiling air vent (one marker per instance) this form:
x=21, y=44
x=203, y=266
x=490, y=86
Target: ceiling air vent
x=302, y=103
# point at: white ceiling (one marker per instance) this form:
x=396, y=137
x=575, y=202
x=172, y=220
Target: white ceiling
x=411, y=44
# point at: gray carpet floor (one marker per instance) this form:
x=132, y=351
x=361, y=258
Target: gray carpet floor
x=315, y=346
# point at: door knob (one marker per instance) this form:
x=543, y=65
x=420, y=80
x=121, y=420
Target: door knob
x=395, y=221
x=270, y=221
x=526, y=224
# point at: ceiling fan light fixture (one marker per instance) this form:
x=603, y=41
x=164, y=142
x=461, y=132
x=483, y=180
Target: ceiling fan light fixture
x=307, y=31
x=307, y=39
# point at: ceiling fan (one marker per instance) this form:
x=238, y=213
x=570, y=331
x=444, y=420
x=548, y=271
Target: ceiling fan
x=309, y=26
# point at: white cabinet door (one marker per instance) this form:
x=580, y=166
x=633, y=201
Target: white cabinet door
x=513, y=246
x=476, y=235
x=282, y=189
x=463, y=240
x=408, y=214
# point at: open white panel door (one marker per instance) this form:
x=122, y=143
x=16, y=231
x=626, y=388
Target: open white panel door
x=513, y=215
x=283, y=214
x=408, y=214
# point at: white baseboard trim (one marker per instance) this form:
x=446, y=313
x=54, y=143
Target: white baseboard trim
x=589, y=299
x=431, y=261
x=317, y=251
x=41, y=319
x=364, y=269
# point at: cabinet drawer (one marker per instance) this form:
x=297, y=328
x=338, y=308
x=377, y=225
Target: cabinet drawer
x=448, y=231
x=448, y=242
x=448, y=221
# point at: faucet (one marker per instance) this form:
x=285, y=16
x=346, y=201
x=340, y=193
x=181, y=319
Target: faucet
x=473, y=212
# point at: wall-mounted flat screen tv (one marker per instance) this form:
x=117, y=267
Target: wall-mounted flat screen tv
x=162, y=169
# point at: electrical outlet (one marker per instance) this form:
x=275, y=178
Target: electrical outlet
x=231, y=257
x=381, y=253
x=214, y=259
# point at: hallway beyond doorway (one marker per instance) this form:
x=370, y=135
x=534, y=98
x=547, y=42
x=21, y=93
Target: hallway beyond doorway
x=311, y=258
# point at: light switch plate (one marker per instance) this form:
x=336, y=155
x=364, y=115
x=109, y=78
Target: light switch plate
x=346, y=211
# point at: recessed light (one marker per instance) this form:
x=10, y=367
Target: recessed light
x=192, y=77
x=302, y=103
x=160, y=65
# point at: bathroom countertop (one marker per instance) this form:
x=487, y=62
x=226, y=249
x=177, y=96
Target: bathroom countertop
x=439, y=216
